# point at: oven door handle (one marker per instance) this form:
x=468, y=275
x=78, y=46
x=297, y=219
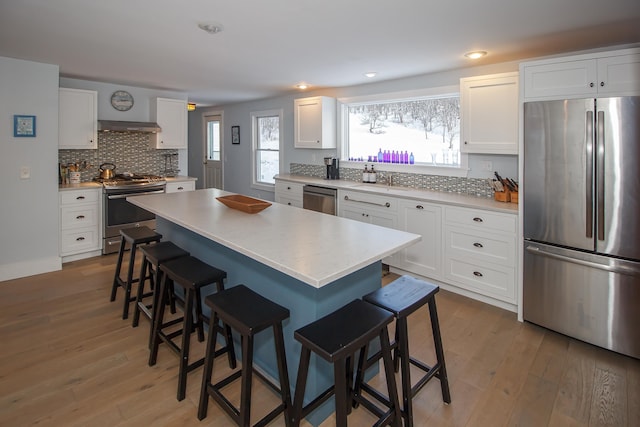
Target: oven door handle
x=124, y=196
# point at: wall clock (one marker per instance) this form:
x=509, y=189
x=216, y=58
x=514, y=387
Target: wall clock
x=121, y=100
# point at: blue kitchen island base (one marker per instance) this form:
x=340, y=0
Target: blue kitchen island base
x=305, y=302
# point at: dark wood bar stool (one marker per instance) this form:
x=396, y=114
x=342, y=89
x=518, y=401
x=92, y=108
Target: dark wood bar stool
x=403, y=297
x=192, y=275
x=336, y=338
x=248, y=313
x=133, y=236
x=152, y=257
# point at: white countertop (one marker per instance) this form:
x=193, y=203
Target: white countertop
x=92, y=184
x=312, y=247
x=407, y=193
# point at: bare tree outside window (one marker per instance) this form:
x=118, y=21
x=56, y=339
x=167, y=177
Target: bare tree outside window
x=427, y=128
x=267, y=147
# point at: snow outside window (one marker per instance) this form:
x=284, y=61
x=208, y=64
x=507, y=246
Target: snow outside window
x=266, y=146
x=408, y=131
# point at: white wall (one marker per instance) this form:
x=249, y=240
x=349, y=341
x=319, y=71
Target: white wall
x=29, y=207
x=237, y=158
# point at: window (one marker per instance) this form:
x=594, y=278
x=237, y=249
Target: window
x=408, y=131
x=266, y=134
x=213, y=137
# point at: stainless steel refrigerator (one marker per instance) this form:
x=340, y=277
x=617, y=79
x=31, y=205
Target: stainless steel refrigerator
x=581, y=189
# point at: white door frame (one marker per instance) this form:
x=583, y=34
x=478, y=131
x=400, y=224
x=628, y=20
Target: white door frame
x=205, y=155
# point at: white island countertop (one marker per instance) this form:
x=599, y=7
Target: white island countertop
x=312, y=247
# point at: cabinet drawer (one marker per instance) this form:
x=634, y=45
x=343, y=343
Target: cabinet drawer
x=81, y=240
x=78, y=216
x=289, y=201
x=488, y=247
x=79, y=196
x=481, y=219
x=174, y=187
x=290, y=190
x=493, y=281
x=368, y=201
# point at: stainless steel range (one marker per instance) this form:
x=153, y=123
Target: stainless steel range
x=119, y=214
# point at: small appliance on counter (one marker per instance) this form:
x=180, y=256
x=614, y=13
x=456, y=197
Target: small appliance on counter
x=333, y=167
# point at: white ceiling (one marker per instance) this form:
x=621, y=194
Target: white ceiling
x=268, y=46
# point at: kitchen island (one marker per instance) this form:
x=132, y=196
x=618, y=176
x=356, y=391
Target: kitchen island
x=309, y=262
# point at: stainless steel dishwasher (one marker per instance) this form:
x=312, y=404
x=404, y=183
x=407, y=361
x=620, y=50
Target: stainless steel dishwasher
x=319, y=199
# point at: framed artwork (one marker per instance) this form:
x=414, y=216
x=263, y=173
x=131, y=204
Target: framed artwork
x=235, y=134
x=24, y=126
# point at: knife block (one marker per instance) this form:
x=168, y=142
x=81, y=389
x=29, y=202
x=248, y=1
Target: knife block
x=502, y=196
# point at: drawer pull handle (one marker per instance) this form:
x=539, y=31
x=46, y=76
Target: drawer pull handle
x=180, y=188
x=477, y=274
x=419, y=207
x=384, y=205
x=80, y=217
x=288, y=188
x=80, y=198
x=478, y=245
x=79, y=239
x=477, y=219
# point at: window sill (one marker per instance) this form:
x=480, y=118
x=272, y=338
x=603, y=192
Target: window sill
x=264, y=187
x=461, y=172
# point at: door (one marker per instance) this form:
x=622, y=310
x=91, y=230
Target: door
x=558, y=154
x=618, y=180
x=213, y=166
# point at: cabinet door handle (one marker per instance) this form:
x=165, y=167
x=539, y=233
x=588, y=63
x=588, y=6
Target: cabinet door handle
x=80, y=217
x=478, y=245
x=591, y=84
x=477, y=274
x=477, y=219
x=419, y=207
x=80, y=198
x=601, y=84
x=79, y=239
x=288, y=188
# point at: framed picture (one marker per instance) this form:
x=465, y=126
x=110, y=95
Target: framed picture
x=24, y=126
x=235, y=134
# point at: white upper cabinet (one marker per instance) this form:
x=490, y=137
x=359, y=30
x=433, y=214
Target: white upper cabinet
x=615, y=73
x=77, y=119
x=315, y=122
x=489, y=114
x=171, y=115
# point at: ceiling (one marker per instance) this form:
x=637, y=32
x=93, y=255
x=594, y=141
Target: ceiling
x=268, y=46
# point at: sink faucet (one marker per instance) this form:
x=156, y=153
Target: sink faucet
x=386, y=178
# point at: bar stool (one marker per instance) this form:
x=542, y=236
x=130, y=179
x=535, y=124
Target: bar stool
x=133, y=236
x=336, y=337
x=402, y=297
x=192, y=275
x=248, y=313
x=152, y=257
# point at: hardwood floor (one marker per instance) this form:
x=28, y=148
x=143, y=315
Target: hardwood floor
x=68, y=359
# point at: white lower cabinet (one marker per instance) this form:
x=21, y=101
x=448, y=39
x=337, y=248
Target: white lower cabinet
x=372, y=209
x=79, y=221
x=425, y=257
x=467, y=250
x=177, y=186
x=289, y=193
x=480, y=252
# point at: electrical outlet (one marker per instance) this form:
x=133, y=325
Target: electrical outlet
x=487, y=165
x=25, y=172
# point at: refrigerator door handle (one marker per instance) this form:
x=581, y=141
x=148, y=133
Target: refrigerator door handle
x=600, y=174
x=589, y=170
x=610, y=268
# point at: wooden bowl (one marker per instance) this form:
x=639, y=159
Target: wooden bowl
x=243, y=203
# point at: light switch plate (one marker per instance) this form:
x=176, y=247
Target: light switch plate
x=25, y=172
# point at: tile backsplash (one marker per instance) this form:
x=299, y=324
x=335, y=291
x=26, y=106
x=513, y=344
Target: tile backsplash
x=129, y=151
x=449, y=184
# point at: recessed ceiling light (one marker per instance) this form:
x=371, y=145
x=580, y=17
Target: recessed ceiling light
x=211, y=27
x=302, y=86
x=475, y=54
x=370, y=74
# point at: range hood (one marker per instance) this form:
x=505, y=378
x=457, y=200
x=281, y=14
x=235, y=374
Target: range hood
x=122, y=126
